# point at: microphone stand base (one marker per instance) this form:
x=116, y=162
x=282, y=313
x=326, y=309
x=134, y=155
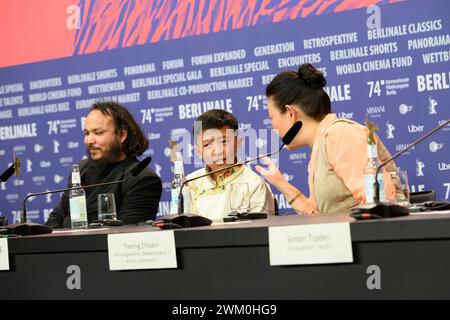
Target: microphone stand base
x=27, y=229
x=186, y=220
x=382, y=210
x=248, y=215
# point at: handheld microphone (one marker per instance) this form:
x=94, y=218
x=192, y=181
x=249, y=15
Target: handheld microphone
x=286, y=140
x=387, y=210
x=133, y=173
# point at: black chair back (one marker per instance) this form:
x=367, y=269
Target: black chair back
x=422, y=196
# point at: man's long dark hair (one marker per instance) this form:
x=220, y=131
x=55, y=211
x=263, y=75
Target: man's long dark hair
x=136, y=143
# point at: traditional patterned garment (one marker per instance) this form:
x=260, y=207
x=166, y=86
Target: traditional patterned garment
x=212, y=199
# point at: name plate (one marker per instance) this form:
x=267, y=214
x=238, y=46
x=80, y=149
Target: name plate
x=310, y=244
x=4, y=254
x=142, y=250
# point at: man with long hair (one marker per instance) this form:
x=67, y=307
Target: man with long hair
x=113, y=140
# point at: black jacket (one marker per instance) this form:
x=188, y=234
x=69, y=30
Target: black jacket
x=137, y=199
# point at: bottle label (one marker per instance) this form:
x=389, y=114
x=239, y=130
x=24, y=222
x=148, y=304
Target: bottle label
x=78, y=208
x=382, y=190
x=76, y=178
x=372, y=151
x=369, y=181
x=174, y=202
x=178, y=167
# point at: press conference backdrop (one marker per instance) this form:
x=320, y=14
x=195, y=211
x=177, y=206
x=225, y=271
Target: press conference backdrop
x=170, y=61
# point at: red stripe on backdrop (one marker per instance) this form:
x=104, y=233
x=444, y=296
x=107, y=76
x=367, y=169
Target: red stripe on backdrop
x=34, y=30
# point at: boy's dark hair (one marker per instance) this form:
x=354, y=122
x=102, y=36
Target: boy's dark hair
x=136, y=143
x=214, y=119
x=302, y=88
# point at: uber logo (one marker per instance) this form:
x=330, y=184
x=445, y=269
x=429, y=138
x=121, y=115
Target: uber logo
x=412, y=128
x=345, y=115
x=73, y=145
x=45, y=164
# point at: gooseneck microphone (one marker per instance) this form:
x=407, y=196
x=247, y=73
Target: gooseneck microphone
x=133, y=173
x=376, y=184
x=286, y=140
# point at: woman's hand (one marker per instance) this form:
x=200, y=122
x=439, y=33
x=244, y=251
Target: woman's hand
x=272, y=174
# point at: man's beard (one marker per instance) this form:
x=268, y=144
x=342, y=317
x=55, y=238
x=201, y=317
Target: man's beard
x=111, y=156
x=97, y=168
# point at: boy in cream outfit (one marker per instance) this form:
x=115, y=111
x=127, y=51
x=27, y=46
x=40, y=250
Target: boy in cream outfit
x=216, y=143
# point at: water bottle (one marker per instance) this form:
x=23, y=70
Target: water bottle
x=77, y=201
x=369, y=175
x=178, y=179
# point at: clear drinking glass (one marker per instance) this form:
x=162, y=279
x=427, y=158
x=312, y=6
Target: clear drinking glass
x=240, y=198
x=106, y=207
x=400, y=180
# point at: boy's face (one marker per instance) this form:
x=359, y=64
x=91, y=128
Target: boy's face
x=217, y=147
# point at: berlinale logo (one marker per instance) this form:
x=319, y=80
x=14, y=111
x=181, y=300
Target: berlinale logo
x=432, y=103
x=56, y=146
x=389, y=130
x=29, y=165
x=419, y=168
